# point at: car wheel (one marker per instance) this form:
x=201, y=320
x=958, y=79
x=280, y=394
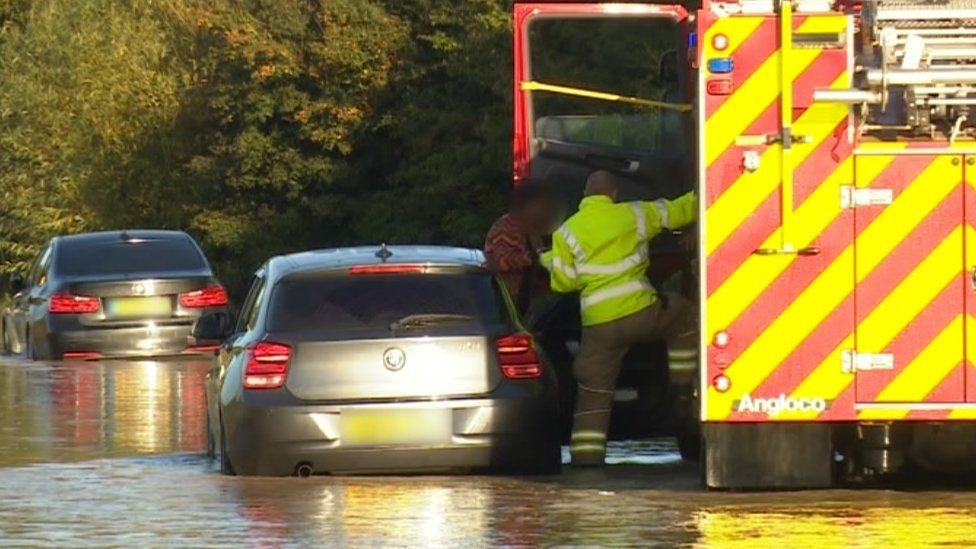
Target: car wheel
x=5, y=341
x=690, y=446
x=226, y=467
x=211, y=445
x=29, y=352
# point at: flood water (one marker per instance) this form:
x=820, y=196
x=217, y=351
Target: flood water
x=111, y=454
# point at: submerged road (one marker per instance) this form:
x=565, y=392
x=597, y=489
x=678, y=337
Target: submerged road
x=111, y=454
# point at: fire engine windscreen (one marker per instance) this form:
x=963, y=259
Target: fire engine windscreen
x=578, y=123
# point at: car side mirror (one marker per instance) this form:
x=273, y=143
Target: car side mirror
x=212, y=327
x=17, y=284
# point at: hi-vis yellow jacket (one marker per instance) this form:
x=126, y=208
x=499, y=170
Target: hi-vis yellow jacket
x=601, y=252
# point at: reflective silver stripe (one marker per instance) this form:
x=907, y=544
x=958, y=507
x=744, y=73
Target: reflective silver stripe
x=662, y=210
x=616, y=291
x=683, y=353
x=573, y=244
x=589, y=435
x=587, y=448
x=568, y=270
x=592, y=390
x=622, y=266
x=588, y=412
x=641, y=221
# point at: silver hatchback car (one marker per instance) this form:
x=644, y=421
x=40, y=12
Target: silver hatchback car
x=379, y=359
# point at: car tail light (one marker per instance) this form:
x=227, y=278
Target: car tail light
x=82, y=355
x=517, y=357
x=213, y=295
x=267, y=365
x=387, y=269
x=66, y=303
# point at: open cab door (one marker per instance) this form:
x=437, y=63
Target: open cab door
x=604, y=86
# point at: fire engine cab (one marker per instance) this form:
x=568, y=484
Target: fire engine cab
x=832, y=147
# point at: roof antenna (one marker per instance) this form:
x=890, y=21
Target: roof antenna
x=124, y=236
x=384, y=253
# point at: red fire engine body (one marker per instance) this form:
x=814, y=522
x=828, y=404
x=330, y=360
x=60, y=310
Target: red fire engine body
x=832, y=149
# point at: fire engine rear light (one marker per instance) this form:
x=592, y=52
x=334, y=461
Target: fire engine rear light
x=213, y=295
x=267, y=365
x=387, y=269
x=517, y=357
x=720, y=66
x=720, y=42
x=66, y=303
x=722, y=383
x=719, y=86
x=721, y=339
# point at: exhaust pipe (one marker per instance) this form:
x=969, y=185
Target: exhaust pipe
x=304, y=470
x=849, y=97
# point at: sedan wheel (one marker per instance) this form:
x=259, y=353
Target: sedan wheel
x=225, y=465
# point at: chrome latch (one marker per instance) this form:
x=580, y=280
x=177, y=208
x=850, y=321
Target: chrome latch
x=852, y=197
x=853, y=361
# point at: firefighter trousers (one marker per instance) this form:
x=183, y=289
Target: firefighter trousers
x=671, y=318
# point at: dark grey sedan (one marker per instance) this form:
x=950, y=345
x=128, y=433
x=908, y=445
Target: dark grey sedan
x=376, y=359
x=107, y=294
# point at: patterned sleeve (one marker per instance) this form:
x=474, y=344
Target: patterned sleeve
x=506, y=249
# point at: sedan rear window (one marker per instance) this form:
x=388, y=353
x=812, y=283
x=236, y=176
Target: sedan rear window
x=98, y=257
x=383, y=302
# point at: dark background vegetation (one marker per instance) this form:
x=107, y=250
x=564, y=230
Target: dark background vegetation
x=259, y=126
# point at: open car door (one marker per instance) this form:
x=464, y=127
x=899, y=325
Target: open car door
x=603, y=86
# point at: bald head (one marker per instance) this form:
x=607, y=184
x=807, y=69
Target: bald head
x=603, y=183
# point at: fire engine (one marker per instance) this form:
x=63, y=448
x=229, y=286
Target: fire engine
x=832, y=148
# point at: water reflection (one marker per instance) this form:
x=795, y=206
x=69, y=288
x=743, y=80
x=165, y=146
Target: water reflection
x=90, y=411
x=83, y=410
x=840, y=527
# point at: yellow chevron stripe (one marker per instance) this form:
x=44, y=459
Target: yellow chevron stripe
x=812, y=217
x=825, y=381
x=911, y=296
x=741, y=199
x=823, y=24
x=753, y=97
x=826, y=292
x=923, y=374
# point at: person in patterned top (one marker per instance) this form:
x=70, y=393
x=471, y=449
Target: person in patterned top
x=512, y=243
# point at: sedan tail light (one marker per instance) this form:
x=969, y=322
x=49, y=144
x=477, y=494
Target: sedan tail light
x=213, y=295
x=517, y=357
x=267, y=365
x=65, y=303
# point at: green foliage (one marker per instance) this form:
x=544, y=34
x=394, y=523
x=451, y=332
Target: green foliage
x=259, y=126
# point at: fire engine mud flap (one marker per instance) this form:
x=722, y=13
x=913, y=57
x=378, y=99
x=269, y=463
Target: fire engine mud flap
x=767, y=455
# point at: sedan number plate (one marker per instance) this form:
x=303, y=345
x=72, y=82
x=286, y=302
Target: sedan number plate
x=385, y=426
x=140, y=307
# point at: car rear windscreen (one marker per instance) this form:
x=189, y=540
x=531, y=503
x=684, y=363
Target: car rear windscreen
x=101, y=257
x=315, y=302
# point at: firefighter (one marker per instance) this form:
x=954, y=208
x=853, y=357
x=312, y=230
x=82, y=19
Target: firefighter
x=602, y=253
x=513, y=240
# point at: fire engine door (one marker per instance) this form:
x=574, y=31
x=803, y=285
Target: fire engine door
x=910, y=271
x=603, y=86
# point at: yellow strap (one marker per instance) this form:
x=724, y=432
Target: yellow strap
x=786, y=113
x=532, y=85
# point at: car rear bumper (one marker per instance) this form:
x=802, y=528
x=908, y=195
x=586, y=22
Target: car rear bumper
x=494, y=433
x=148, y=340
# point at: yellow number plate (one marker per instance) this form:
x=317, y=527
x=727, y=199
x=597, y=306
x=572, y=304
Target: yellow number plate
x=135, y=307
x=372, y=427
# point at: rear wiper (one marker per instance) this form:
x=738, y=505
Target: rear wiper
x=423, y=320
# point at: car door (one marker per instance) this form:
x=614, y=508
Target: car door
x=22, y=301
x=231, y=347
x=573, y=116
